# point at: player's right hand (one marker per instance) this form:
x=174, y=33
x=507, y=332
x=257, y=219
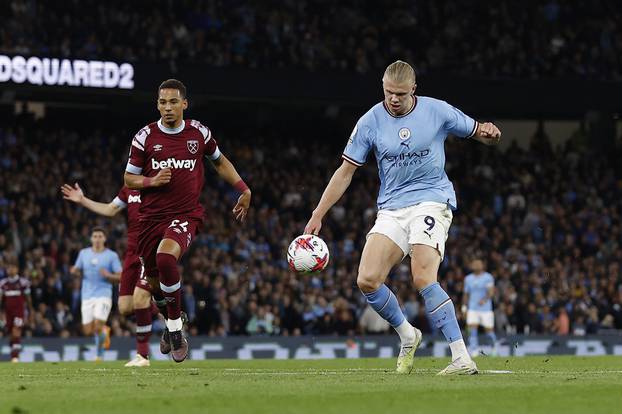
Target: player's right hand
x=74, y=194
x=313, y=226
x=162, y=178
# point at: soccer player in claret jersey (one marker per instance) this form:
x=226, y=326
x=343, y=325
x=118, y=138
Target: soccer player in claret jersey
x=166, y=165
x=134, y=291
x=14, y=296
x=407, y=135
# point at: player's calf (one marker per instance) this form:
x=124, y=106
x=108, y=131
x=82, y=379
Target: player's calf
x=442, y=313
x=143, y=331
x=16, y=346
x=126, y=305
x=170, y=285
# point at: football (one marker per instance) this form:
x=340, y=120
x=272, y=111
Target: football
x=307, y=254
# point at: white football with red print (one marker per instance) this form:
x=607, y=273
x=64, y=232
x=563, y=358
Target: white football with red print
x=307, y=254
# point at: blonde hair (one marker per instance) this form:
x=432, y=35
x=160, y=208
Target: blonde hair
x=399, y=71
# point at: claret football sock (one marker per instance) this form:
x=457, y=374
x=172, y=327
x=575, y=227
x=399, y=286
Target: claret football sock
x=16, y=346
x=170, y=284
x=143, y=331
x=442, y=314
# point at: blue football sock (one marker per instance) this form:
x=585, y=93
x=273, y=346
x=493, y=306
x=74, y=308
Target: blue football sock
x=473, y=338
x=99, y=343
x=385, y=303
x=492, y=337
x=441, y=311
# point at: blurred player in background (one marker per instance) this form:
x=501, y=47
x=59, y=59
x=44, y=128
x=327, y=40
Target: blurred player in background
x=407, y=135
x=479, y=289
x=100, y=267
x=14, y=297
x=166, y=165
x=134, y=292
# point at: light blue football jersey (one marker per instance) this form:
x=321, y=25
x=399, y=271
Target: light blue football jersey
x=94, y=285
x=476, y=286
x=410, y=150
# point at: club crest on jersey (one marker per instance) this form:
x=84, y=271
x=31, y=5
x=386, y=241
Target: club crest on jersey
x=404, y=133
x=193, y=146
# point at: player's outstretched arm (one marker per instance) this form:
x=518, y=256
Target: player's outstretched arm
x=76, y=195
x=138, y=182
x=227, y=171
x=338, y=184
x=487, y=133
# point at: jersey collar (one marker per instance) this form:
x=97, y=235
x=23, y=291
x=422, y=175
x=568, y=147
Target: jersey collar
x=171, y=131
x=412, y=108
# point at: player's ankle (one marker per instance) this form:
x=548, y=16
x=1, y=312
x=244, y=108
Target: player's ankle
x=174, y=325
x=406, y=332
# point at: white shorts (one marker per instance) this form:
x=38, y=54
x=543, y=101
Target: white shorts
x=96, y=308
x=424, y=223
x=481, y=318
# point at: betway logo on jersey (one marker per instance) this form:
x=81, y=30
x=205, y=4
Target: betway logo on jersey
x=173, y=163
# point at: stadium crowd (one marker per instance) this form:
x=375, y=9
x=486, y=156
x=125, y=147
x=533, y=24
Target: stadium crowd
x=577, y=39
x=546, y=220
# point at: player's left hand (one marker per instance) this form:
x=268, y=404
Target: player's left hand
x=241, y=208
x=482, y=302
x=74, y=193
x=489, y=133
x=105, y=273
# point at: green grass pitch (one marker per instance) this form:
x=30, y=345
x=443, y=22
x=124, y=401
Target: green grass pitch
x=543, y=384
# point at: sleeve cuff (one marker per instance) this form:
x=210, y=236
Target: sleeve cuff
x=215, y=155
x=352, y=161
x=132, y=169
x=119, y=203
x=474, y=130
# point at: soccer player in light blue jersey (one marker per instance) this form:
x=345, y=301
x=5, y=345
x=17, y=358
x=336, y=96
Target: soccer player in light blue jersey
x=100, y=268
x=407, y=133
x=479, y=289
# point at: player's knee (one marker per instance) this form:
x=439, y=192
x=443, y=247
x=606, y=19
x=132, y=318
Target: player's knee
x=169, y=247
x=368, y=281
x=142, y=298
